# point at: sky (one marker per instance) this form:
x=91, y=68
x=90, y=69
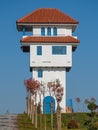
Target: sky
x=82, y=80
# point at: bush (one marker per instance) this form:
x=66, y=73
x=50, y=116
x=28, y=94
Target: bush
x=92, y=127
x=96, y=124
x=72, y=124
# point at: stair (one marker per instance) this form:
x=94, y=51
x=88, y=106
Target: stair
x=8, y=122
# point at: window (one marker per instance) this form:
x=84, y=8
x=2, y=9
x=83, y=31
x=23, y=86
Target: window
x=39, y=50
x=40, y=73
x=32, y=31
x=59, y=50
x=48, y=31
x=23, y=31
x=55, y=31
x=42, y=31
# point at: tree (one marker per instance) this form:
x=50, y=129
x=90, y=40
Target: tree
x=58, y=92
x=33, y=85
x=41, y=91
x=50, y=86
x=78, y=100
x=93, y=100
x=92, y=106
x=86, y=101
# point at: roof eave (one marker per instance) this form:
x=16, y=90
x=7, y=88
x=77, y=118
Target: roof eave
x=28, y=26
x=74, y=44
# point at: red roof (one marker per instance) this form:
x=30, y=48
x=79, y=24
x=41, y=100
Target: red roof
x=47, y=15
x=45, y=39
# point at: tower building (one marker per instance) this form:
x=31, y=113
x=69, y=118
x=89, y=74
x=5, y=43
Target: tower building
x=50, y=46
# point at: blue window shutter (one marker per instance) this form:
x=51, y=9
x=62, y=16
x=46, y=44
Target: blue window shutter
x=39, y=50
x=55, y=31
x=48, y=31
x=23, y=31
x=32, y=31
x=40, y=73
x=42, y=31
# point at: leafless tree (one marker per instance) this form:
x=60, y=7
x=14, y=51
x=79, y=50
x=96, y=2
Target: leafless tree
x=93, y=100
x=78, y=100
x=50, y=86
x=86, y=101
x=58, y=92
x=41, y=91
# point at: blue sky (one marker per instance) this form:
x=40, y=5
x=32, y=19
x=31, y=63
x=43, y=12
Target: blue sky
x=82, y=80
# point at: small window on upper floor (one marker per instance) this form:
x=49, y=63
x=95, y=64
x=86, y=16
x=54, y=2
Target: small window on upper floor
x=40, y=73
x=58, y=50
x=55, y=31
x=42, y=31
x=39, y=50
x=48, y=31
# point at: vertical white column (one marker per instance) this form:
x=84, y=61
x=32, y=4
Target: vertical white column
x=63, y=102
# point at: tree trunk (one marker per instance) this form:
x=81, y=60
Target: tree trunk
x=40, y=117
x=51, y=111
x=58, y=117
x=26, y=105
x=35, y=122
x=44, y=116
x=32, y=111
x=30, y=108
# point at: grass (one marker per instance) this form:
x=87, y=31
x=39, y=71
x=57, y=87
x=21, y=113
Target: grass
x=24, y=122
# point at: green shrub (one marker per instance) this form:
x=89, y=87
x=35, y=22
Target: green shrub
x=92, y=127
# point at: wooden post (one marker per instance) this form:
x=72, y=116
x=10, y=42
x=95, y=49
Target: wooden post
x=58, y=117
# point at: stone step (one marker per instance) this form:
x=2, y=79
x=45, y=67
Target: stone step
x=8, y=122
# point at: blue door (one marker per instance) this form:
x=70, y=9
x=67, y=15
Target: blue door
x=47, y=103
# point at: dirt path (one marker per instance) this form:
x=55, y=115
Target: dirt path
x=8, y=122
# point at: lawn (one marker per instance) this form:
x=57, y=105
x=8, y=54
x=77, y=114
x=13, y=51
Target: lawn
x=24, y=121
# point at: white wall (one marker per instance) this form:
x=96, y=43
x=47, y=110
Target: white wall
x=36, y=31
x=64, y=31
x=61, y=30
x=51, y=74
x=49, y=60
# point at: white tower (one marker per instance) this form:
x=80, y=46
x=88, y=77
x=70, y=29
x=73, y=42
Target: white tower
x=50, y=45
